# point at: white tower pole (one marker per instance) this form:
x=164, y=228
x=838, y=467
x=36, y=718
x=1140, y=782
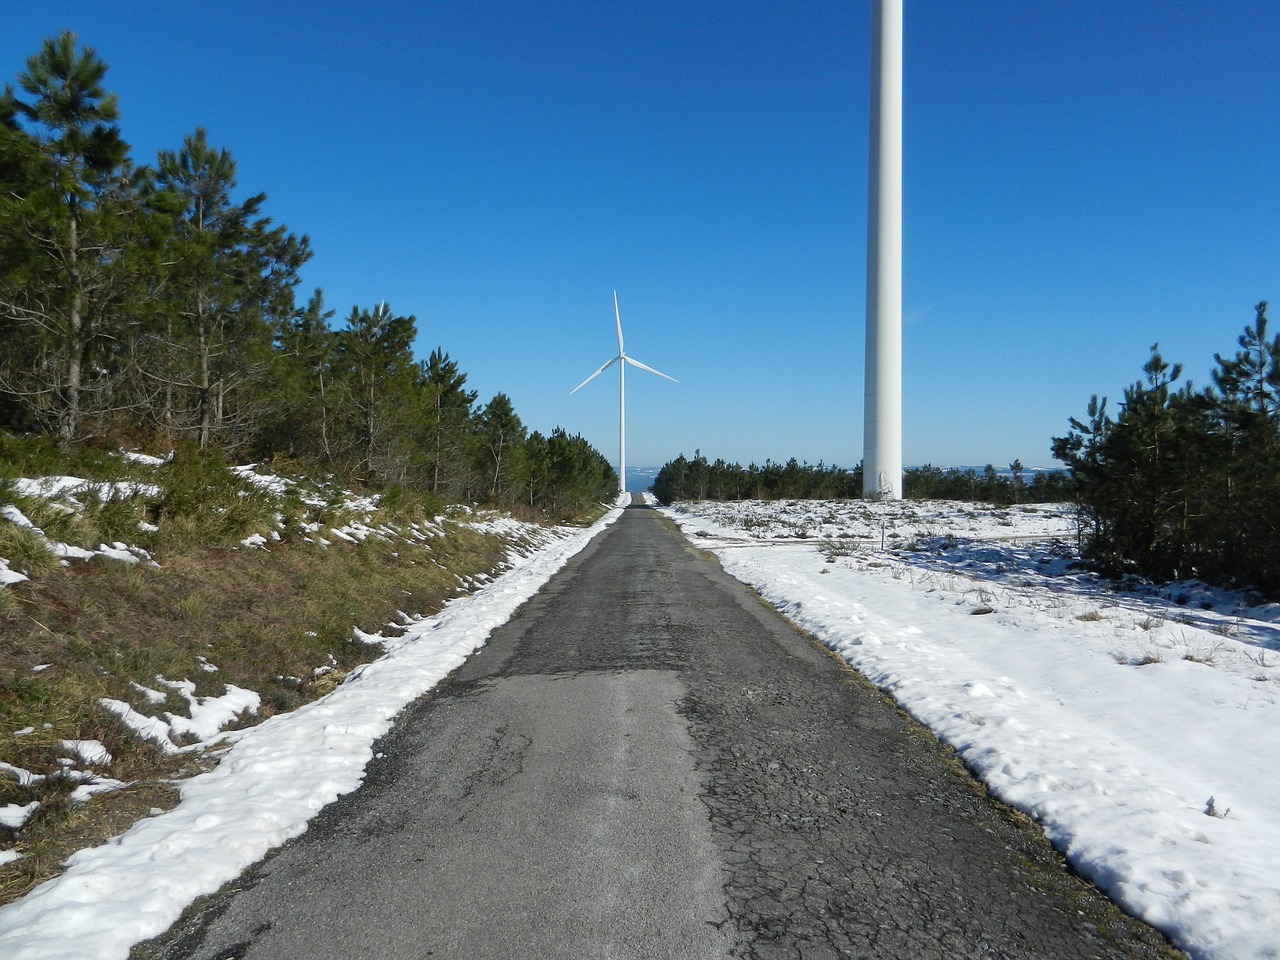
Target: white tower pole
x=622, y=426
x=882, y=430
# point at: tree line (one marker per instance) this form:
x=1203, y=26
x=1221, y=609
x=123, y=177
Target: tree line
x=1179, y=483
x=701, y=479
x=152, y=304
x=1183, y=482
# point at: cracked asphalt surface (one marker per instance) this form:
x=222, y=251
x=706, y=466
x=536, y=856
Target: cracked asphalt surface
x=648, y=762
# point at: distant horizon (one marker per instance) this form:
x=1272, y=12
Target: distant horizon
x=911, y=466
x=639, y=479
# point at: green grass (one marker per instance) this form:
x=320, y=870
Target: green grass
x=25, y=550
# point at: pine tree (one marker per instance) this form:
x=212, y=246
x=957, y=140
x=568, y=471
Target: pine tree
x=1246, y=412
x=23, y=172
x=1185, y=482
x=379, y=400
x=1016, y=469
x=1251, y=379
x=447, y=422
x=232, y=283
x=53, y=298
x=537, y=461
x=298, y=421
x=500, y=441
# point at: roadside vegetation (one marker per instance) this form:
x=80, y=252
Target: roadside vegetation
x=168, y=585
x=151, y=304
x=1185, y=483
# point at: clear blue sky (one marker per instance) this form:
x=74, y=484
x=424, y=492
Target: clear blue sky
x=1082, y=179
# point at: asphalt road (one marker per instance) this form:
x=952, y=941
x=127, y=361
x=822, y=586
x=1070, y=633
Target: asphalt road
x=646, y=762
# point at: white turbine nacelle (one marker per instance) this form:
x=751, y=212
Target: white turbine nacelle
x=622, y=360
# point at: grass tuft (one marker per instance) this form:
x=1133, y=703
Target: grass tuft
x=205, y=502
x=25, y=549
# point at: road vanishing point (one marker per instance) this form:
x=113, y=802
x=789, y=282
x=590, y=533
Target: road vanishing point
x=647, y=762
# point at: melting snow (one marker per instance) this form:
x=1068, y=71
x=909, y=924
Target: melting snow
x=1137, y=726
x=268, y=785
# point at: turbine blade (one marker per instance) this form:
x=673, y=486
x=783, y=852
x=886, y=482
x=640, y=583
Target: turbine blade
x=636, y=363
x=593, y=376
x=617, y=316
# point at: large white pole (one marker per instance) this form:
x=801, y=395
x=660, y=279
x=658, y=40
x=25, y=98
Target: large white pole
x=882, y=430
x=622, y=424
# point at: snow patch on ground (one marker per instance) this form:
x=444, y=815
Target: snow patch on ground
x=208, y=714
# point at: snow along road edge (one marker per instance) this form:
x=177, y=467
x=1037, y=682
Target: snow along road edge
x=268, y=786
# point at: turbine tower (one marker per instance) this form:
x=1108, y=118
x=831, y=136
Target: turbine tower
x=621, y=360
x=882, y=425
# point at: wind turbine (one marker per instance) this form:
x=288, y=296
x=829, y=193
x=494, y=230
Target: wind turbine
x=621, y=360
